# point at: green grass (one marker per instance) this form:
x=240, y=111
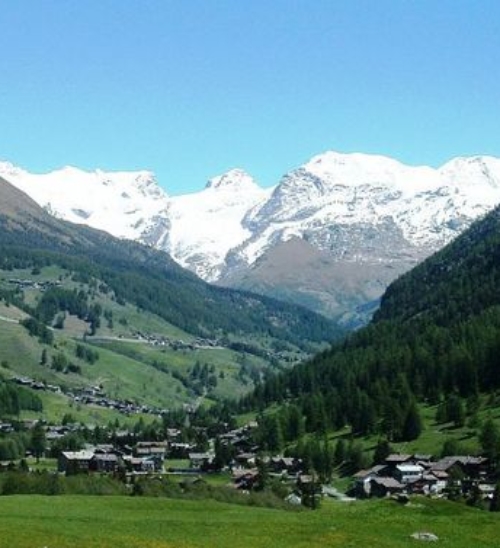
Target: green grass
x=119, y=522
x=224, y=361
x=142, y=373
x=55, y=406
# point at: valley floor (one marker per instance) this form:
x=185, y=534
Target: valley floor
x=116, y=522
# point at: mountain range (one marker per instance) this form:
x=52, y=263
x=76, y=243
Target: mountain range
x=145, y=277
x=331, y=235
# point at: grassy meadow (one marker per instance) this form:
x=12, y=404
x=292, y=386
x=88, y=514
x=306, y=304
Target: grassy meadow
x=128, y=368
x=115, y=522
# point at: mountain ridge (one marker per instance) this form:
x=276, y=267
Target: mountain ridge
x=148, y=278
x=367, y=211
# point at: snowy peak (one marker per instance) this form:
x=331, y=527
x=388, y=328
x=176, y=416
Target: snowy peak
x=236, y=180
x=206, y=225
x=121, y=203
x=368, y=214
x=472, y=171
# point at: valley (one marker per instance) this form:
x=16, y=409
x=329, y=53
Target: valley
x=250, y=274
x=122, y=374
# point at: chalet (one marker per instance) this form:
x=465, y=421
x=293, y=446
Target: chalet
x=137, y=465
x=177, y=450
x=362, y=479
x=285, y=465
x=173, y=433
x=201, y=461
x=74, y=462
x=155, y=451
x=104, y=462
x=383, y=487
x=427, y=484
x=471, y=467
x=6, y=427
x=408, y=473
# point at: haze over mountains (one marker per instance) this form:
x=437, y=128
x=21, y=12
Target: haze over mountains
x=332, y=234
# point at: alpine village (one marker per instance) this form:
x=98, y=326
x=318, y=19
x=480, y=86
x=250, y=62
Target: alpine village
x=211, y=415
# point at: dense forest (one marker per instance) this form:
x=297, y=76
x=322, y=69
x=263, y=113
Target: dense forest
x=436, y=338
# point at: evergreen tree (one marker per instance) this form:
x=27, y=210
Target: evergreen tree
x=489, y=438
x=412, y=426
x=382, y=451
x=455, y=411
x=340, y=453
x=38, y=441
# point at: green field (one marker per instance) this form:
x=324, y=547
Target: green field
x=115, y=522
x=127, y=368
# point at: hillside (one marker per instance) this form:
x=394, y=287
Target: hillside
x=163, y=337
x=148, y=278
x=435, y=339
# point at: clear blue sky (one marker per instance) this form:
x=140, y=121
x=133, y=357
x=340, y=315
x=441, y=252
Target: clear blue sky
x=191, y=88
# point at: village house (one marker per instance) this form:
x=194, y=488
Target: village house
x=138, y=465
x=201, y=461
x=245, y=460
x=362, y=479
x=285, y=465
x=407, y=473
x=104, y=462
x=383, y=487
x=74, y=462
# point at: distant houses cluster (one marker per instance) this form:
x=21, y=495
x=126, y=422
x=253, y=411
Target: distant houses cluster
x=421, y=474
x=27, y=283
x=144, y=458
x=92, y=395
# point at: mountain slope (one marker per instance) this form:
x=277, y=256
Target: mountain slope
x=366, y=213
x=436, y=338
x=148, y=278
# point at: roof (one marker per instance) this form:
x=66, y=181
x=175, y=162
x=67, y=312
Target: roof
x=409, y=468
x=397, y=457
x=105, y=457
x=388, y=483
x=201, y=456
x=421, y=457
x=78, y=455
x=439, y=474
x=373, y=471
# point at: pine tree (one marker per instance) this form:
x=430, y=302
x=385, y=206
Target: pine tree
x=382, y=451
x=38, y=441
x=489, y=438
x=412, y=426
x=339, y=455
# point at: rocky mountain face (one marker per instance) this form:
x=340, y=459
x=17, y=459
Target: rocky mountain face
x=332, y=234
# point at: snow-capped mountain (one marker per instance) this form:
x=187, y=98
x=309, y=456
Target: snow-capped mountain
x=125, y=204
x=357, y=220
x=207, y=225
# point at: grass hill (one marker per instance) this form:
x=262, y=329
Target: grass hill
x=81, y=309
x=133, y=522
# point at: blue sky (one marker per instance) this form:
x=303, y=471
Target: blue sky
x=191, y=88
